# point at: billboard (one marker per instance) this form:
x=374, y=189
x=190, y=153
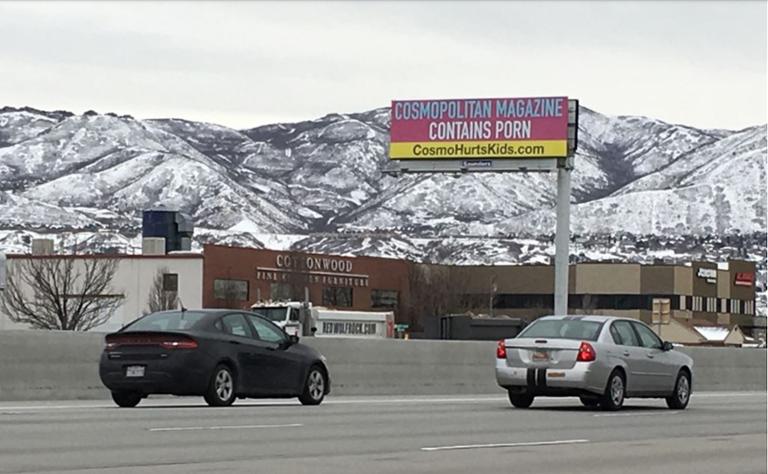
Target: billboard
x=504, y=128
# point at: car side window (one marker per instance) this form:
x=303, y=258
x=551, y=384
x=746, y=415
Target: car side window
x=615, y=335
x=266, y=331
x=648, y=338
x=235, y=325
x=625, y=332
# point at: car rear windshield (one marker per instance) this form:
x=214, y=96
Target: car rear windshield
x=167, y=321
x=563, y=329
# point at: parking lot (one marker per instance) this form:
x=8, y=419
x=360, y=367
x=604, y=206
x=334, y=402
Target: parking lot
x=719, y=432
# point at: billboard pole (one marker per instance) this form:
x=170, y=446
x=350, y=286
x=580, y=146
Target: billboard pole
x=562, y=235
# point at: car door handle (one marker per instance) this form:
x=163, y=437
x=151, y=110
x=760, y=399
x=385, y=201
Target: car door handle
x=650, y=356
x=626, y=353
x=235, y=342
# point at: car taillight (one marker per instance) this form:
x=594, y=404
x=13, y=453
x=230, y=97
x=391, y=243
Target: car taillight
x=501, y=350
x=586, y=353
x=179, y=344
x=169, y=342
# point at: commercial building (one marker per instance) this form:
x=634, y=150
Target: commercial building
x=701, y=293
x=238, y=277
x=132, y=282
x=678, y=300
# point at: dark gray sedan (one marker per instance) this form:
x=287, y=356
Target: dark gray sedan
x=600, y=359
x=218, y=354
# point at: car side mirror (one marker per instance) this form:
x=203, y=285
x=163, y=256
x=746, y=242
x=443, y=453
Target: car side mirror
x=293, y=339
x=667, y=346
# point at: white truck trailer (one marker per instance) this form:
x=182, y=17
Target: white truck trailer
x=324, y=322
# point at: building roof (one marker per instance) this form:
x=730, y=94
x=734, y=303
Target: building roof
x=119, y=256
x=713, y=333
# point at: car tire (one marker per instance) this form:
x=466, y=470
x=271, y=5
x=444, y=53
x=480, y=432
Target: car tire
x=589, y=402
x=314, y=387
x=126, y=399
x=221, y=388
x=615, y=390
x=682, y=394
x=520, y=400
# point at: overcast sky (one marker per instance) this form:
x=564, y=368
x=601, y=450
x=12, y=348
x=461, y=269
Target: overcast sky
x=244, y=64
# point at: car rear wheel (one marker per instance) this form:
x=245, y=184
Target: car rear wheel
x=221, y=388
x=314, y=387
x=613, y=398
x=589, y=402
x=679, y=399
x=520, y=400
x=126, y=399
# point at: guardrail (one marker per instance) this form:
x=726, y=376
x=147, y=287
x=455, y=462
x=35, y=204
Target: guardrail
x=53, y=365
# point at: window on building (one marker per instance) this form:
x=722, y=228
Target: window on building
x=698, y=303
x=384, y=299
x=280, y=292
x=736, y=306
x=712, y=305
x=723, y=305
x=337, y=296
x=170, y=282
x=511, y=301
x=683, y=306
x=230, y=290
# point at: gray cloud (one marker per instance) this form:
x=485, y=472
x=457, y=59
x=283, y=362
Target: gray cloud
x=245, y=63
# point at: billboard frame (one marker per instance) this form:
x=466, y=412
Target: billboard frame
x=563, y=167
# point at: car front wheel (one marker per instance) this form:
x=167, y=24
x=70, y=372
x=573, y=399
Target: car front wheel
x=679, y=399
x=314, y=387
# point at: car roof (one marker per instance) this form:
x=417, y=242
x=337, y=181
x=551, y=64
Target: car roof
x=598, y=318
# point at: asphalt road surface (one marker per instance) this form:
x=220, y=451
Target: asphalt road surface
x=718, y=433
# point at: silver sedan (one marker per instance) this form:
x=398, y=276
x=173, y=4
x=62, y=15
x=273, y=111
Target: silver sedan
x=600, y=359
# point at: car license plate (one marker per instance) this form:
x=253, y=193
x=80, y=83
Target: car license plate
x=134, y=371
x=540, y=355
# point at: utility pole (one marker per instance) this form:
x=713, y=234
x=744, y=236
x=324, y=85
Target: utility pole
x=562, y=235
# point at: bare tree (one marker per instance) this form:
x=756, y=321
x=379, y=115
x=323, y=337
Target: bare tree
x=71, y=294
x=437, y=290
x=161, y=298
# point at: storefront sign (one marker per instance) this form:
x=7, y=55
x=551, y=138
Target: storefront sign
x=348, y=328
x=327, y=264
x=710, y=274
x=744, y=279
x=328, y=271
x=535, y=127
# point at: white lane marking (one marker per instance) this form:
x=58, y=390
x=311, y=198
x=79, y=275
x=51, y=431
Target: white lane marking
x=505, y=445
x=186, y=403
x=199, y=405
x=656, y=413
x=232, y=427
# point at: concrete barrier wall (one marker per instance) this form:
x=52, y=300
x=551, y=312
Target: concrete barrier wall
x=44, y=365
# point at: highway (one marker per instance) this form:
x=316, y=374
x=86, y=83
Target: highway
x=719, y=432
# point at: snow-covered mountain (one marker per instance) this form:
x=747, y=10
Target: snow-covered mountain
x=95, y=172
